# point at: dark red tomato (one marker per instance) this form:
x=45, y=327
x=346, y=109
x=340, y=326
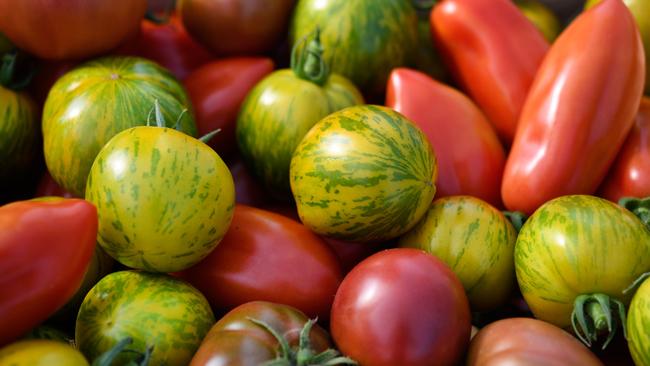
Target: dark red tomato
x=47, y=74
x=629, y=176
x=401, y=307
x=218, y=89
x=49, y=187
x=236, y=27
x=527, y=341
x=247, y=190
x=469, y=155
x=71, y=29
x=350, y=253
x=169, y=45
x=266, y=256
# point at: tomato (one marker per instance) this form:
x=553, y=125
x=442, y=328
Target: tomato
x=576, y=254
x=248, y=191
x=71, y=30
x=41, y=352
x=629, y=175
x=579, y=109
x=428, y=58
x=476, y=241
x=47, y=186
x=526, y=341
x=45, y=249
x=218, y=89
x=494, y=52
x=236, y=27
x=351, y=253
x=245, y=336
x=542, y=17
x=401, y=307
x=641, y=11
x=164, y=199
x=168, y=44
x=468, y=152
x=266, y=256
x=155, y=310
x=638, y=325
x=363, y=174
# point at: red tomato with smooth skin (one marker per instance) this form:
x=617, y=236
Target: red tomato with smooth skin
x=469, y=154
x=268, y=257
x=493, y=51
x=236, y=27
x=629, y=176
x=169, y=45
x=579, y=110
x=218, y=89
x=530, y=342
x=71, y=29
x=45, y=249
x=401, y=307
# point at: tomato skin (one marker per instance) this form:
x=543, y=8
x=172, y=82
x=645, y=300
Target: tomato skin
x=236, y=27
x=638, y=321
x=71, y=30
x=266, y=256
x=579, y=110
x=248, y=190
x=235, y=340
x=468, y=152
x=41, y=352
x=629, y=175
x=542, y=17
x=45, y=249
x=218, y=89
x=168, y=44
x=401, y=307
x=494, y=52
x=527, y=341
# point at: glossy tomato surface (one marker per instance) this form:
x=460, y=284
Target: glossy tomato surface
x=401, y=307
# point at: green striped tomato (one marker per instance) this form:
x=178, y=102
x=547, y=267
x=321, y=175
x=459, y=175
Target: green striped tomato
x=363, y=39
x=19, y=134
x=476, y=241
x=164, y=199
x=365, y=173
x=575, y=245
x=277, y=114
x=93, y=102
x=156, y=310
x=638, y=325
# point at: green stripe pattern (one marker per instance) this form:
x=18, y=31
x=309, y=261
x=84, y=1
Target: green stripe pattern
x=19, y=134
x=92, y=103
x=365, y=173
x=363, y=39
x=277, y=114
x=164, y=199
x=578, y=244
x=476, y=241
x=638, y=325
x=154, y=309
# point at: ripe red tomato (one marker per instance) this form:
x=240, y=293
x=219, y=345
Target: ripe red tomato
x=266, y=256
x=401, y=307
x=69, y=29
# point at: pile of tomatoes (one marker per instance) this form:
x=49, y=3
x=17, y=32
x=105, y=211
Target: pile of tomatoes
x=324, y=182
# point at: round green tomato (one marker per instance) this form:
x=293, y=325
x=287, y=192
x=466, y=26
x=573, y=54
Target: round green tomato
x=277, y=114
x=93, y=102
x=155, y=310
x=365, y=174
x=476, y=241
x=19, y=134
x=577, y=245
x=638, y=325
x=363, y=39
x=164, y=199
x=41, y=352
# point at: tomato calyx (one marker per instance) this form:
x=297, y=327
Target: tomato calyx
x=516, y=218
x=595, y=314
x=304, y=355
x=107, y=358
x=307, y=61
x=639, y=207
x=636, y=283
x=160, y=122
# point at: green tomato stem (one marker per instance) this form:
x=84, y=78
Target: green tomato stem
x=208, y=136
x=307, y=62
x=638, y=206
x=595, y=314
x=636, y=283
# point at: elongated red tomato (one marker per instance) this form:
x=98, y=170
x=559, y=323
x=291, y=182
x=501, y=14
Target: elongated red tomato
x=218, y=89
x=493, y=51
x=579, y=110
x=629, y=176
x=266, y=256
x=469, y=154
